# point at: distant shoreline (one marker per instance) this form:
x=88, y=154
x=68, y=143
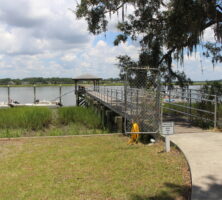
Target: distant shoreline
x=64, y=85
x=58, y=85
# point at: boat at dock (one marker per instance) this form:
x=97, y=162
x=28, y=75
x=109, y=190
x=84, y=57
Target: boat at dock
x=173, y=100
x=4, y=105
x=44, y=103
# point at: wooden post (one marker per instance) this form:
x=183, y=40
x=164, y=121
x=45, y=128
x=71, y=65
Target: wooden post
x=102, y=115
x=98, y=86
x=76, y=87
x=108, y=119
x=34, y=87
x=94, y=85
x=119, y=124
x=77, y=93
x=60, y=94
x=9, y=100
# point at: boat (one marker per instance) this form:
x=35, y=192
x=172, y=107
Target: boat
x=44, y=103
x=166, y=99
x=4, y=105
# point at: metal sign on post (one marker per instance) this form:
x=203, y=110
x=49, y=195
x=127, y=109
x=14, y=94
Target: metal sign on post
x=167, y=129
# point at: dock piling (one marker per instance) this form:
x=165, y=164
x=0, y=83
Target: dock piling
x=34, y=88
x=60, y=94
x=9, y=100
x=119, y=124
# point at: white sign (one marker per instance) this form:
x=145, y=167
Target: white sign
x=168, y=128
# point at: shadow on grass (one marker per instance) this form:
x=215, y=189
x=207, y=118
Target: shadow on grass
x=212, y=191
x=175, y=192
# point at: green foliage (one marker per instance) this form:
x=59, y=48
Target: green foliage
x=214, y=51
x=85, y=116
x=25, y=117
x=174, y=25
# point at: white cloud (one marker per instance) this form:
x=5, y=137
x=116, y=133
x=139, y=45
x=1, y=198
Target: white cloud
x=38, y=26
x=209, y=35
x=69, y=57
x=43, y=38
x=198, y=67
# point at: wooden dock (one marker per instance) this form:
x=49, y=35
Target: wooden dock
x=134, y=104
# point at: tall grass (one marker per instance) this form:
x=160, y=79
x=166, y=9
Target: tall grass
x=85, y=116
x=31, y=118
x=37, y=121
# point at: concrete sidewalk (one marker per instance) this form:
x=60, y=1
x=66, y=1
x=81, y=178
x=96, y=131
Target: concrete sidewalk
x=204, y=154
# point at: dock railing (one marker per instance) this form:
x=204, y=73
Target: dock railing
x=132, y=103
x=193, y=104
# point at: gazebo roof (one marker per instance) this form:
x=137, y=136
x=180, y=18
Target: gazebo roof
x=87, y=77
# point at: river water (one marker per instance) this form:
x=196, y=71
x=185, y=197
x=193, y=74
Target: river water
x=51, y=93
x=26, y=94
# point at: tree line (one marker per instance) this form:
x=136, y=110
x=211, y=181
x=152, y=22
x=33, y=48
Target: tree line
x=35, y=80
x=46, y=81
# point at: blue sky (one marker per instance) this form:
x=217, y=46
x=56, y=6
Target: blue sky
x=43, y=38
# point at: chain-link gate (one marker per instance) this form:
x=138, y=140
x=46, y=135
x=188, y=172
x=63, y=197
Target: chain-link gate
x=142, y=100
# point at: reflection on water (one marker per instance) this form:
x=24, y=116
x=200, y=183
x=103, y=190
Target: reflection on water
x=26, y=94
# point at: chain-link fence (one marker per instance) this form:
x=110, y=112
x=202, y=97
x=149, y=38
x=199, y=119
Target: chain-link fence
x=142, y=100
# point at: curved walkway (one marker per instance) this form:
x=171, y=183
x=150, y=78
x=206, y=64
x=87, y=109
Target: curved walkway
x=204, y=154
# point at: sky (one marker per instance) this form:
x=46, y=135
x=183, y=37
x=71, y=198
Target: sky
x=43, y=38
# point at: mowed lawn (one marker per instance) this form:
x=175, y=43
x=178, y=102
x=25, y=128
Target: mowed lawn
x=90, y=168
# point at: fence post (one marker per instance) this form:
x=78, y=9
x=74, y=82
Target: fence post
x=60, y=94
x=215, y=111
x=34, y=93
x=169, y=95
x=190, y=104
x=116, y=96
x=9, y=94
x=107, y=94
x=111, y=97
x=167, y=143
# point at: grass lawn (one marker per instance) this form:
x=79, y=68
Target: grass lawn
x=90, y=168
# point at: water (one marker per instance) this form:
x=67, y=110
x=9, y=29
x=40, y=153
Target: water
x=26, y=94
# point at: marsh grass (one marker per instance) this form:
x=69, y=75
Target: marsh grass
x=79, y=115
x=35, y=121
x=29, y=118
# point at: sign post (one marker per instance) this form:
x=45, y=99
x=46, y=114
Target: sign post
x=167, y=129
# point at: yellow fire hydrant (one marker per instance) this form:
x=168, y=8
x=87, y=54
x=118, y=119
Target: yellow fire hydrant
x=134, y=137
